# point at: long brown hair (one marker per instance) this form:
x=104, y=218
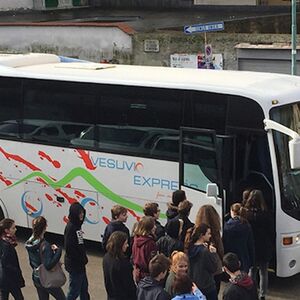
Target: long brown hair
x=39, y=224
x=207, y=214
x=115, y=244
x=256, y=201
x=145, y=226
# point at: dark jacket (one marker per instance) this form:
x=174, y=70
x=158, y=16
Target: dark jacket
x=264, y=234
x=238, y=238
x=172, y=211
x=160, y=230
x=118, y=279
x=187, y=224
x=150, y=289
x=143, y=249
x=49, y=258
x=203, y=264
x=167, y=245
x=112, y=227
x=12, y=277
x=75, y=257
x=242, y=288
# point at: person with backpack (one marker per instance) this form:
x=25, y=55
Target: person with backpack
x=75, y=256
x=241, y=285
x=41, y=252
x=11, y=278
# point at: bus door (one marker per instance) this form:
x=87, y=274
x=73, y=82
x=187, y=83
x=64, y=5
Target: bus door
x=206, y=162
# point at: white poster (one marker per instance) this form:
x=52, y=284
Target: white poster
x=196, y=61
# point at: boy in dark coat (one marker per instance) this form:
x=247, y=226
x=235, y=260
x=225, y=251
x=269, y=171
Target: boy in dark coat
x=240, y=286
x=75, y=257
x=151, y=287
x=118, y=218
x=177, y=197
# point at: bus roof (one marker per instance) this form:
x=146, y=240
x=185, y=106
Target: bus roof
x=261, y=87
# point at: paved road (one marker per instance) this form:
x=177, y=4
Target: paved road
x=280, y=288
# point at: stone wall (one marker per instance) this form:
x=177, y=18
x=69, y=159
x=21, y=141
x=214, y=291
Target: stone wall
x=174, y=42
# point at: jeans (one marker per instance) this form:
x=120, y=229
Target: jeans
x=263, y=277
x=16, y=293
x=44, y=293
x=78, y=286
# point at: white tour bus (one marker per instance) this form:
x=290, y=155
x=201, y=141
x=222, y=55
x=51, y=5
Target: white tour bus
x=112, y=134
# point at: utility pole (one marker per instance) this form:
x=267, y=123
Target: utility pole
x=294, y=38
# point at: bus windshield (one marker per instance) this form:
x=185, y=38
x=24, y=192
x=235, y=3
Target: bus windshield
x=289, y=179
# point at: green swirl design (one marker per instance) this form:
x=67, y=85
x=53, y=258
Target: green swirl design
x=88, y=177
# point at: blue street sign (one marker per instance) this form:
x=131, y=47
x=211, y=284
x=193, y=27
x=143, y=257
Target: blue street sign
x=207, y=27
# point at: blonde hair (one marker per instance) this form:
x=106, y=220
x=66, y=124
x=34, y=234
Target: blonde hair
x=176, y=257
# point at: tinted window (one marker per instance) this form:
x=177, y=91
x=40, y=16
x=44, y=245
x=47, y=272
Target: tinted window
x=244, y=113
x=10, y=107
x=132, y=119
x=59, y=110
x=209, y=111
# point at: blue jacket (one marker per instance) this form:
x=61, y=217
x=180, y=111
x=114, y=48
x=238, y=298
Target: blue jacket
x=50, y=258
x=197, y=295
x=238, y=238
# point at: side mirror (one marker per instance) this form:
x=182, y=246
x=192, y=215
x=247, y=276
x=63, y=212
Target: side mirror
x=212, y=190
x=294, y=151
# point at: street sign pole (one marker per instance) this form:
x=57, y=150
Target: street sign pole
x=294, y=38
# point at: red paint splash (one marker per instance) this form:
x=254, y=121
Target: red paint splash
x=18, y=158
x=49, y=197
x=85, y=156
x=29, y=206
x=92, y=203
x=68, y=186
x=70, y=199
x=6, y=181
x=79, y=194
x=55, y=163
x=134, y=214
x=105, y=220
x=66, y=219
x=41, y=180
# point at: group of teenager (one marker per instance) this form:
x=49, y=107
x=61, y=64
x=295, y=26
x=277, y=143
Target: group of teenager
x=181, y=260
x=40, y=251
x=188, y=260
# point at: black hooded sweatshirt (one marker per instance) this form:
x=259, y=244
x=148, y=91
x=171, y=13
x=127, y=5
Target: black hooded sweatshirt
x=75, y=257
x=242, y=287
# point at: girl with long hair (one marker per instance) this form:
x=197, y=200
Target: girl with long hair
x=40, y=251
x=208, y=215
x=12, y=279
x=179, y=266
x=117, y=269
x=238, y=237
x=144, y=247
x=203, y=261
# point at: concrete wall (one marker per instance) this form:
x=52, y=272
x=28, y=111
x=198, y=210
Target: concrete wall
x=15, y=4
x=90, y=43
